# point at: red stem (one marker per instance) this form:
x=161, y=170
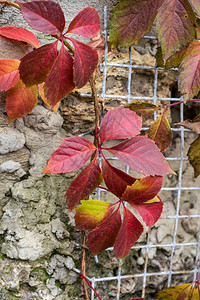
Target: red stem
x=81, y=275
x=180, y=102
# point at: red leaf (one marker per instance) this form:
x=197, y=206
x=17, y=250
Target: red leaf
x=150, y=212
x=44, y=16
x=142, y=155
x=20, y=101
x=143, y=189
x=131, y=20
x=86, y=23
x=175, y=26
x=85, y=62
x=116, y=180
x=130, y=231
x=72, y=154
x=59, y=82
x=120, y=123
x=42, y=95
x=91, y=213
x=19, y=34
x=189, y=78
x=104, y=235
x=9, y=73
x=84, y=184
x=35, y=65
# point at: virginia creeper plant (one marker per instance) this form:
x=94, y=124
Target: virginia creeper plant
x=56, y=69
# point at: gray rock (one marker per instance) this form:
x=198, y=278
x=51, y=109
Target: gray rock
x=10, y=140
x=9, y=166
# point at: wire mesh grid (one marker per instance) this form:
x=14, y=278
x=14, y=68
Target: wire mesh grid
x=144, y=274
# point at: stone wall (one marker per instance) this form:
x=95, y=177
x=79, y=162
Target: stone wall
x=37, y=237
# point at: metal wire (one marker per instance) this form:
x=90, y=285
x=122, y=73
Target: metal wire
x=176, y=189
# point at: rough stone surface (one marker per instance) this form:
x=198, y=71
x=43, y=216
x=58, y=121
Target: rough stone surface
x=39, y=250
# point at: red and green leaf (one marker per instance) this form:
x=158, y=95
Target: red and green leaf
x=72, y=154
x=115, y=179
x=9, y=73
x=19, y=34
x=91, y=213
x=59, y=82
x=44, y=99
x=86, y=23
x=150, y=211
x=20, y=101
x=175, y=26
x=85, y=62
x=143, y=190
x=143, y=109
x=141, y=154
x=189, y=78
x=36, y=65
x=194, y=156
x=44, y=16
x=120, y=123
x=131, y=20
x=160, y=132
x=130, y=231
x=84, y=184
x=104, y=235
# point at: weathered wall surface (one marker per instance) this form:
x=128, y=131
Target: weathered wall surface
x=37, y=237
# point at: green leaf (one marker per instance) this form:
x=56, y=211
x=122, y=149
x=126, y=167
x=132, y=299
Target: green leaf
x=143, y=109
x=175, y=26
x=131, y=19
x=173, y=61
x=194, y=156
x=90, y=213
x=160, y=132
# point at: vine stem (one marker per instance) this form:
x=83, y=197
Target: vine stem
x=179, y=102
x=11, y=3
x=81, y=275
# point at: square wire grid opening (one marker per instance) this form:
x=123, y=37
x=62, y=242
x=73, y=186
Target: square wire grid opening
x=177, y=190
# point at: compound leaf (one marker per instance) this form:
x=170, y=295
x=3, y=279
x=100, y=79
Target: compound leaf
x=85, y=62
x=131, y=20
x=115, y=179
x=20, y=101
x=84, y=184
x=160, y=132
x=130, y=231
x=44, y=16
x=141, y=154
x=175, y=26
x=86, y=23
x=120, y=123
x=19, y=34
x=72, y=154
x=35, y=65
x=91, y=212
x=194, y=156
x=143, y=190
x=143, y=109
x=104, y=235
x=150, y=211
x=189, y=78
x=9, y=73
x=59, y=82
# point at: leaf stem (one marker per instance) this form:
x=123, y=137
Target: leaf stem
x=96, y=101
x=11, y=3
x=81, y=275
x=179, y=102
x=83, y=266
